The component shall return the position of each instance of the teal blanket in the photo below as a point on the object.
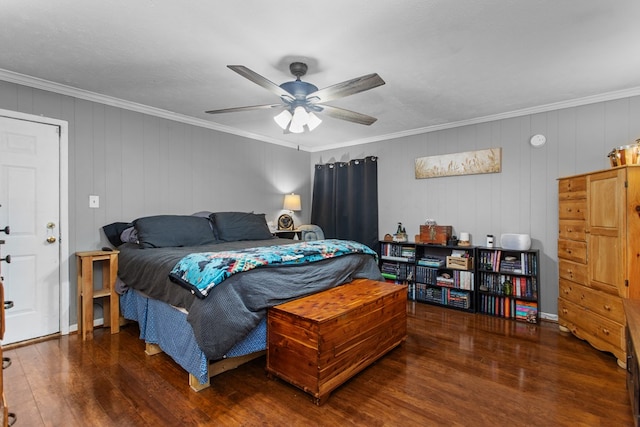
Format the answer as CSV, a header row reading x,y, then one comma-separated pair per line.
x,y
201,272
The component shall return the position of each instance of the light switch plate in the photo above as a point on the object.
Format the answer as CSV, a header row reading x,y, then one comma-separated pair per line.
x,y
94,201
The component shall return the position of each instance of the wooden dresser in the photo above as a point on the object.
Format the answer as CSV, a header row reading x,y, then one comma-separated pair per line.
x,y
598,255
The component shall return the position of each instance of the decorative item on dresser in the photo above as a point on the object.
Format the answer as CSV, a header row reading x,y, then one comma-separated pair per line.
x,y
599,221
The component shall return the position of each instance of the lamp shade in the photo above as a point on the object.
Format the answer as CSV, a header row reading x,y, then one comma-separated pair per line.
x,y
292,202
313,121
283,119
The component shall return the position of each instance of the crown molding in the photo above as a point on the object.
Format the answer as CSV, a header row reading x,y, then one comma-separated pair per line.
x,y
604,97
38,83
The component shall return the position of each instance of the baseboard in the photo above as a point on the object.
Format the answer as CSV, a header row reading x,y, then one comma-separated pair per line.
x,y
548,316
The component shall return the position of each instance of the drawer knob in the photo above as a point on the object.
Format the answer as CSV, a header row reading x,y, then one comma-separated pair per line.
x,y
605,331
607,307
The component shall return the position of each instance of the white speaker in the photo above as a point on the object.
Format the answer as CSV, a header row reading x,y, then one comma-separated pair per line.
x,y
515,242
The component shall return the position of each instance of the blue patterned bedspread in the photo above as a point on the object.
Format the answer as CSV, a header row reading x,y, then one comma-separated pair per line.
x,y
201,272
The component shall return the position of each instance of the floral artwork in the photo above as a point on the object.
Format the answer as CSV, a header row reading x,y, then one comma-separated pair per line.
x,y
467,163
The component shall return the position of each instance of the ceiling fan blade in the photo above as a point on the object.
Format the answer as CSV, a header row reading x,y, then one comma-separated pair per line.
x,y
248,108
350,87
262,81
350,116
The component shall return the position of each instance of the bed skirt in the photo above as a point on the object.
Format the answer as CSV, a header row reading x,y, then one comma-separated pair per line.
x,y
167,327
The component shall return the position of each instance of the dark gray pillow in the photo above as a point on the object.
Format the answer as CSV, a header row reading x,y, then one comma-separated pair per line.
x,y
234,226
162,231
113,231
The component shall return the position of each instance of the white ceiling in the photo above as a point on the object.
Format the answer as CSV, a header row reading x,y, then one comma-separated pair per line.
x,y
444,61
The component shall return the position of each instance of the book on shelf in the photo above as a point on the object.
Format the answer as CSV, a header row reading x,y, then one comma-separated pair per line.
x,y
397,252
431,261
527,311
444,281
395,258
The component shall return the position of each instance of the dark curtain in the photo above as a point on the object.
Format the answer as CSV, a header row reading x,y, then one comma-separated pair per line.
x,y
345,200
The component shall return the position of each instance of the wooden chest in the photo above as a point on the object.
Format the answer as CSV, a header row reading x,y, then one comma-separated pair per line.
x,y
320,341
435,234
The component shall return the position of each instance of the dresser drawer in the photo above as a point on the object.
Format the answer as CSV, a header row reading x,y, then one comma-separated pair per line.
x,y
572,188
602,333
572,229
572,209
574,271
607,305
572,250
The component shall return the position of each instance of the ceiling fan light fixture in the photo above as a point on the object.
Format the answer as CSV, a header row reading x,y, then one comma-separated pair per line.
x,y
313,122
296,128
283,119
299,99
300,116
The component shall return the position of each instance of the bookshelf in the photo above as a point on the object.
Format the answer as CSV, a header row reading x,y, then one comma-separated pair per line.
x,y
397,261
508,283
493,281
435,274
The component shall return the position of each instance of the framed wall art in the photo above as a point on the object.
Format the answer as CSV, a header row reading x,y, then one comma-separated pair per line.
x,y
466,163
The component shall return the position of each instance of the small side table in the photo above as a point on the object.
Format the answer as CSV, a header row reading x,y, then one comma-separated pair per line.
x,y
86,292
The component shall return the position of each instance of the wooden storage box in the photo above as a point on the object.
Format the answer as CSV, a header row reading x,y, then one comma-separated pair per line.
x,y
320,341
459,263
435,234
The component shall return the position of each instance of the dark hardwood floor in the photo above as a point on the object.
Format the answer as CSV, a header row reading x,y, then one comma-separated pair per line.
x,y
455,369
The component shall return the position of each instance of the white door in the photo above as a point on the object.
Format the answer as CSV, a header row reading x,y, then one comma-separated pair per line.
x,y
29,205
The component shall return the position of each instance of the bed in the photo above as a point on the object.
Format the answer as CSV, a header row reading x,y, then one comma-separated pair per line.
x,y
207,331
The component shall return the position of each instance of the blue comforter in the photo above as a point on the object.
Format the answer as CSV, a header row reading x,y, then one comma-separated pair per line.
x,y
201,272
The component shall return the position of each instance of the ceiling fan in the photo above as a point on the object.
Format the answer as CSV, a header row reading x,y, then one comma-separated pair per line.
x,y
301,100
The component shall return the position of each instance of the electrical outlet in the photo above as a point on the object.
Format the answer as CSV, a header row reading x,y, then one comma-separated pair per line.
x,y
94,201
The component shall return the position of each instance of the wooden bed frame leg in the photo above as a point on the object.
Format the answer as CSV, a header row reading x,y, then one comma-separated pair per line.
x,y
196,385
223,365
151,349
215,368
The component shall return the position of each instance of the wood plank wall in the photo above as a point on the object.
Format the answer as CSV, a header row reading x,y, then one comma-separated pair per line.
x,y
180,168
520,199
142,165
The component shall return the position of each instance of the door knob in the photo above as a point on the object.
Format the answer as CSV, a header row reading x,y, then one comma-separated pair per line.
x,y
51,239
7,259
8,305
5,230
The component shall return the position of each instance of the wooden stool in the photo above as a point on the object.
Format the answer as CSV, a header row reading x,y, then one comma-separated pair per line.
x,y
86,293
